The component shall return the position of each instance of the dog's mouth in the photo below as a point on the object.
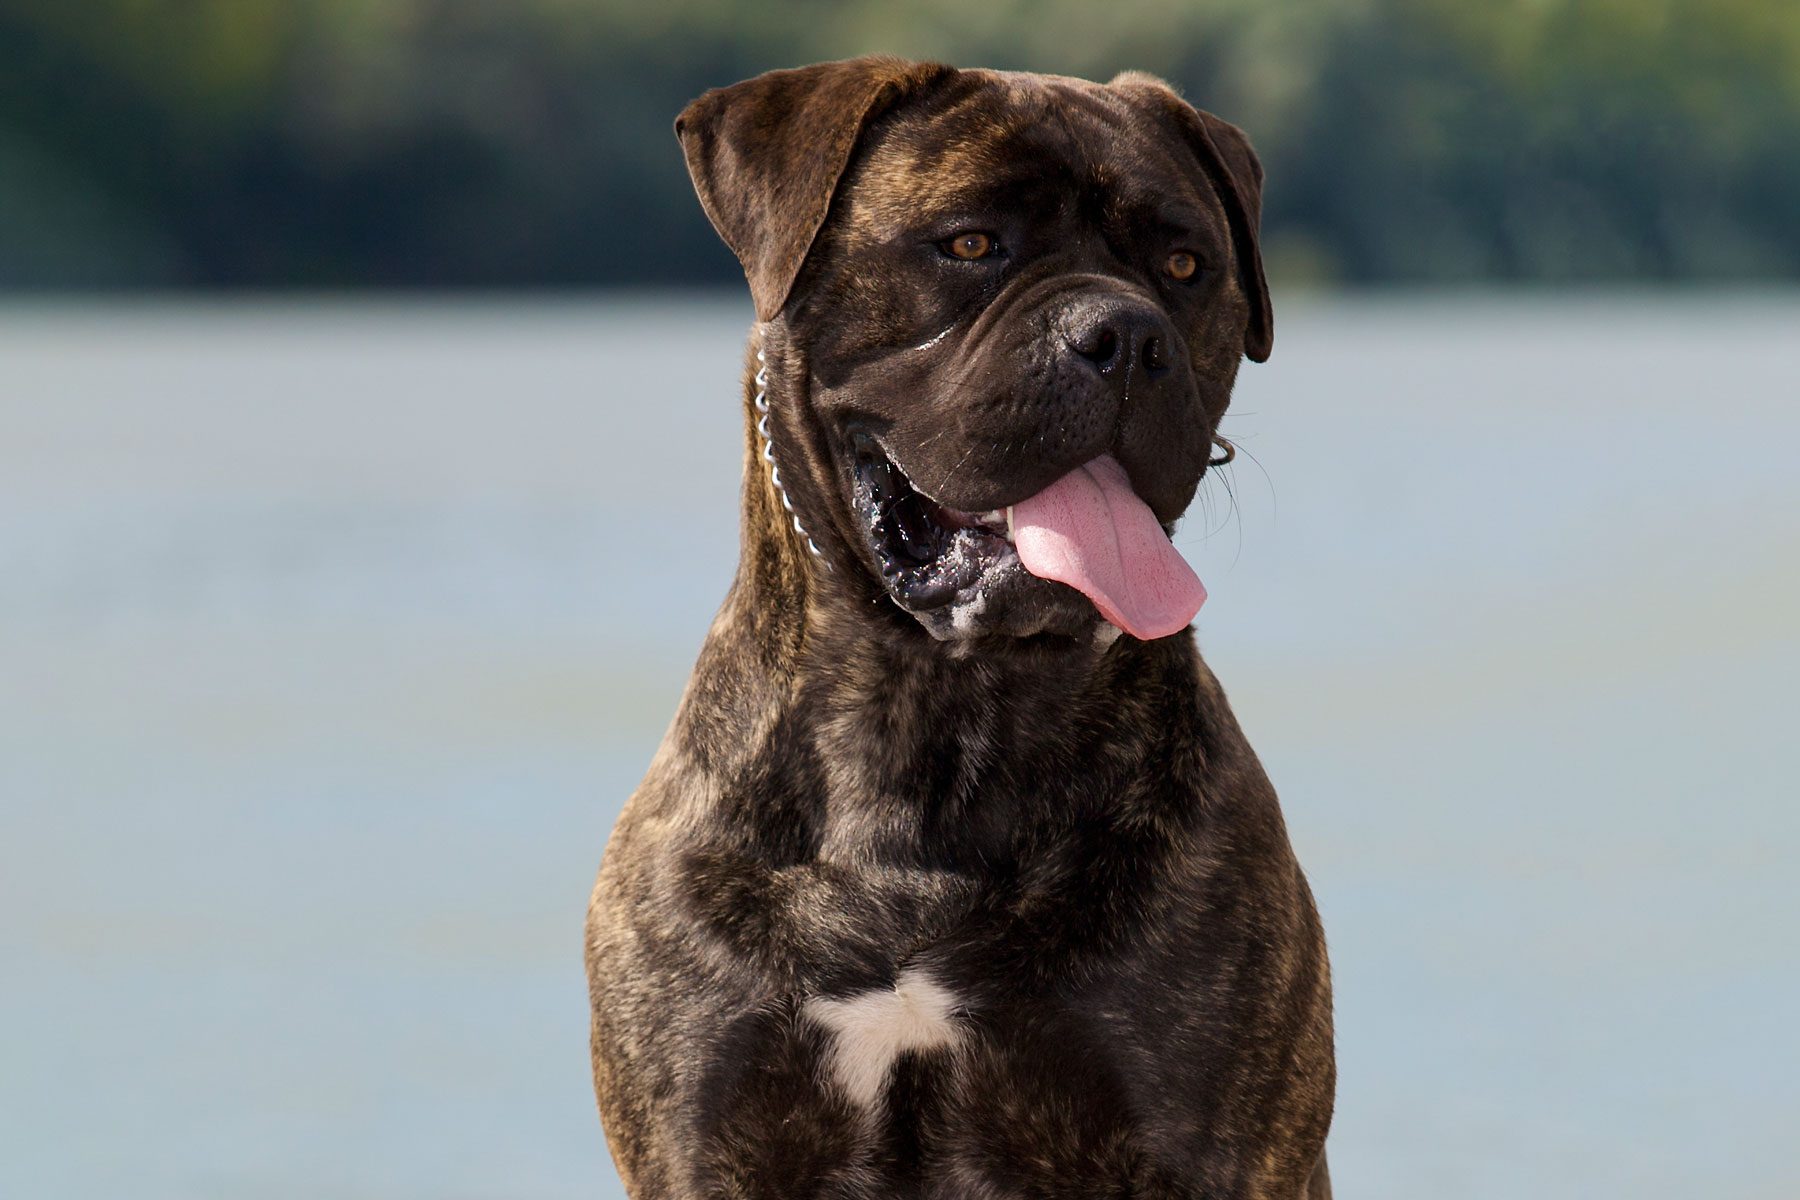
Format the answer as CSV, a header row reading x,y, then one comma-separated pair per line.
x,y
929,554
1088,530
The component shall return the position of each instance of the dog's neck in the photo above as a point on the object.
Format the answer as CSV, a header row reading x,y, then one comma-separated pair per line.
x,y
891,733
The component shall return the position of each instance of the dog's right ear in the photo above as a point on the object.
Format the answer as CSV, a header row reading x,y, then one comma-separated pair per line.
x,y
766,155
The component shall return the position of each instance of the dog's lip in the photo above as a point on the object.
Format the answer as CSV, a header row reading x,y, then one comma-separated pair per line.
x,y
997,519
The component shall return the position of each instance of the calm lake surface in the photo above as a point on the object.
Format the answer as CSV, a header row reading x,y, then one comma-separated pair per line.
x,y
332,637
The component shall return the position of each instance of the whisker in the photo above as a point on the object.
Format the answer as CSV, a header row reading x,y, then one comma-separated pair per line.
x,y
951,473
1237,516
1268,480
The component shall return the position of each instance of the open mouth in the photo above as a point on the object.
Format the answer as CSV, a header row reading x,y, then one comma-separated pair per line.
x,y
1088,530
928,552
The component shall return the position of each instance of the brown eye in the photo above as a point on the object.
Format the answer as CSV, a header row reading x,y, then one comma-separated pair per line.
x,y
970,245
1181,265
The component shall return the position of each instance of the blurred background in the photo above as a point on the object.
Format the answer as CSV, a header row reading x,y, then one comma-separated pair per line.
x,y
356,539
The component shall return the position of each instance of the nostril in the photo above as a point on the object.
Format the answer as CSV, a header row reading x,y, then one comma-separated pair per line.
x,y
1099,346
1107,348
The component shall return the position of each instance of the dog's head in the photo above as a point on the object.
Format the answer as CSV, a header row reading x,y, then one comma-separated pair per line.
x,y
1001,315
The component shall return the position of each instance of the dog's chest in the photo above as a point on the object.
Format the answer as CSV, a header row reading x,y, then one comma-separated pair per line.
x,y
934,995
939,1085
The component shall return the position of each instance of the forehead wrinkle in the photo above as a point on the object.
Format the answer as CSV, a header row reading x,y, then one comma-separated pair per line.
x,y
1156,180
927,164
914,183
931,168
1132,160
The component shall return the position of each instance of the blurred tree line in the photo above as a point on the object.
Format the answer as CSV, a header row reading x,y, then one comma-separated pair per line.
x,y
528,142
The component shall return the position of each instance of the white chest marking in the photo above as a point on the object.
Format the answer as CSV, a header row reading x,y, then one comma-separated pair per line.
x,y
874,1028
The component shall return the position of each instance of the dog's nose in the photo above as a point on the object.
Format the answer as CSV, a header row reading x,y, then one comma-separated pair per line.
x,y
1114,337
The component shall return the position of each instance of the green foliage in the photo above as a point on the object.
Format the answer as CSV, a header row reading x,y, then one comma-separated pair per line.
x,y
520,142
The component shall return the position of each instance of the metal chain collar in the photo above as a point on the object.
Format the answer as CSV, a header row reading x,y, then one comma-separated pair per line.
x,y
768,452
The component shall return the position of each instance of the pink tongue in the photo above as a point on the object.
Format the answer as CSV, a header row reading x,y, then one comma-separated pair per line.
x,y
1090,531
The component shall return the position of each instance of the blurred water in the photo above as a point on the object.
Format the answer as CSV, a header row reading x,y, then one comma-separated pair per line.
x,y
333,635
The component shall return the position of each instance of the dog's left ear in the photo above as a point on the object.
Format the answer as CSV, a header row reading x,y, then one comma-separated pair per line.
x,y
766,155
1237,175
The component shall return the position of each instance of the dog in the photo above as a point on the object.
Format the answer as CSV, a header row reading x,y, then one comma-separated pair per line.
x,y
954,876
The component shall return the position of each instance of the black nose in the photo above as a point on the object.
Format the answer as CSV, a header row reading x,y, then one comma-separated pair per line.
x,y
1117,336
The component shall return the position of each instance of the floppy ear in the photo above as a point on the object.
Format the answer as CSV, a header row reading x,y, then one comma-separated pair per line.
x,y
1237,176
766,155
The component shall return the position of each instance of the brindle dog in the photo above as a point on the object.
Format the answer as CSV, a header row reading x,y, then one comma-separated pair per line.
x,y
937,886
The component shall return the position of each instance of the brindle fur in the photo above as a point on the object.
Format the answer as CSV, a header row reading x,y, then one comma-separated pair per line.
x,y
1075,841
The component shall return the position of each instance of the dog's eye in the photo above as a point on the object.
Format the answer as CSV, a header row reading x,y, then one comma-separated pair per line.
x,y
969,246
1181,265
